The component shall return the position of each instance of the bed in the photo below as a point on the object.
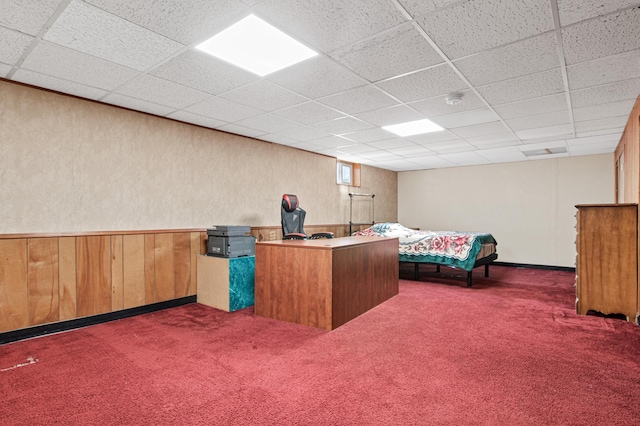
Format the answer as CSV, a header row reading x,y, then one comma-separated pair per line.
x,y
462,250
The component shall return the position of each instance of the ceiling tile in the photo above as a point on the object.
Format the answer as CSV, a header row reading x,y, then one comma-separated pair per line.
x,y
309,113
494,140
390,144
449,147
429,138
514,60
223,109
303,78
604,36
421,7
264,95
428,83
502,155
184,21
162,92
541,120
304,133
521,88
623,66
437,105
237,129
137,104
57,84
67,64
200,120
411,151
590,140
466,118
610,131
611,109
370,135
473,26
398,51
4,70
391,115
543,132
396,165
465,158
12,45
432,162
361,99
558,143
330,24
268,123
90,30
358,148
343,125
331,142
195,69
602,124
28,17
480,130
572,11
557,102
618,91
279,139
381,155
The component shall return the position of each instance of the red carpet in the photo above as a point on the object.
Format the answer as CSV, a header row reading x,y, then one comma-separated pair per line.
x,y
509,350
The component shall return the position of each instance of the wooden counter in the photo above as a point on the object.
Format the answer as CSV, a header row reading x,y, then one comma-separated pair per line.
x,y
324,283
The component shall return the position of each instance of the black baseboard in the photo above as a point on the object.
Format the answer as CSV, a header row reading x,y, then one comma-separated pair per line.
x,y
528,265
41,330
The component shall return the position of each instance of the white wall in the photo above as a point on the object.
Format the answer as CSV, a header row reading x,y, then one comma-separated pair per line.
x,y
528,206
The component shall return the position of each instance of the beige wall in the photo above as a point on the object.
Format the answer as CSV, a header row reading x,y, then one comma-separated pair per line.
x,y
70,165
528,206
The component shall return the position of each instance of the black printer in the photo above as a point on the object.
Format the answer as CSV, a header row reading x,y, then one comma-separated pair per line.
x,y
230,241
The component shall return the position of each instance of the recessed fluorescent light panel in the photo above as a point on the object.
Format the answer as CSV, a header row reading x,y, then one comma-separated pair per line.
x,y
256,46
413,128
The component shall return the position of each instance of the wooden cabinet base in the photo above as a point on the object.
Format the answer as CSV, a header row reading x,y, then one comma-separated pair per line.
x,y
324,283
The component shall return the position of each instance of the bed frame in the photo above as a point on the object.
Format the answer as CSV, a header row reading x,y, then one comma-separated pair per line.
x,y
486,261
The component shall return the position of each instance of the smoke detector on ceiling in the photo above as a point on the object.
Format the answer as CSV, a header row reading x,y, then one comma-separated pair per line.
x,y
453,98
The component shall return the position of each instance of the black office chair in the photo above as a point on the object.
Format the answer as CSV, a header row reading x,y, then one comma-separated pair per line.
x,y
293,221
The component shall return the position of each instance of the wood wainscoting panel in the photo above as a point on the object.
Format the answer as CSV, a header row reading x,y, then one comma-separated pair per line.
x,y
196,249
42,279
181,264
14,310
117,278
93,263
133,270
164,266
67,278
363,277
149,269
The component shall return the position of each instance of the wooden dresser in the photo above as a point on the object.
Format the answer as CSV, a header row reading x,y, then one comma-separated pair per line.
x,y
607,261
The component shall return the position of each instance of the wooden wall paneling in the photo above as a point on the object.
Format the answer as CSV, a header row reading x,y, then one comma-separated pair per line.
x,y
164,266
196,247
149,269
93,263
117,274
181,264
133,271
67,280
42,280
14,312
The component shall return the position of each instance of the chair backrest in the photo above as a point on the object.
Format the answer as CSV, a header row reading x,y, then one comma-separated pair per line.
x,y
292,215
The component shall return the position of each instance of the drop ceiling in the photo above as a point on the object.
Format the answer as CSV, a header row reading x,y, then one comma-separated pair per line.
x,y
538,78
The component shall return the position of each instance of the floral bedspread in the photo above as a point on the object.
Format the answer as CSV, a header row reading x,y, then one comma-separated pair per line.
x,y
457,249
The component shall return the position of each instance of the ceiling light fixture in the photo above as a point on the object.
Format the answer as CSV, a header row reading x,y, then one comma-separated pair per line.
x,y
413,128
453,98
256,46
